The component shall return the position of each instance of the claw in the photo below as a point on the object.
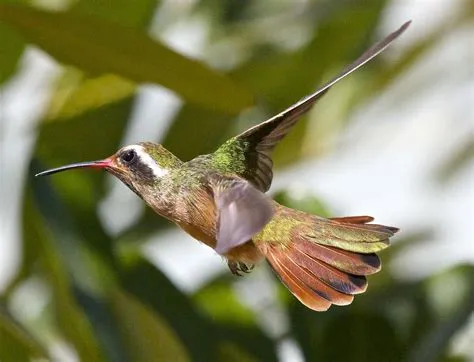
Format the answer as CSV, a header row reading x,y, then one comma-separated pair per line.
x,y
238,267
245,268
234,268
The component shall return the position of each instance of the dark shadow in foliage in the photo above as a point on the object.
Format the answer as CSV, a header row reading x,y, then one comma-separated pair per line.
x,y
99,313
150,286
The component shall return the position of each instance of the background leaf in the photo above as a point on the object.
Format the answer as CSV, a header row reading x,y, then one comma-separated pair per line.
x,y
17,343
146,335
102,47
10,52
90,276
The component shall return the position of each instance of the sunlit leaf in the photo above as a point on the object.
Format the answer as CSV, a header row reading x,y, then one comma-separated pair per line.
x,y
11,49
137,13
17,343
75,93
102,47
71,99
218,299
10,52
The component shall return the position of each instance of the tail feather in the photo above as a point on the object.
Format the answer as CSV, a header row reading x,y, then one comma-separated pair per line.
x,y
342,282
363,220
353,219
326,261
351,236
311,298
317,286
346,261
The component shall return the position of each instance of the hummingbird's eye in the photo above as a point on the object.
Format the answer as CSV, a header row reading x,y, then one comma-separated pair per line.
x,y
128,156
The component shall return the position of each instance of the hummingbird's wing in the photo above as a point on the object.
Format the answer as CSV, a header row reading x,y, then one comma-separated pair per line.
x,y
257,143
242,211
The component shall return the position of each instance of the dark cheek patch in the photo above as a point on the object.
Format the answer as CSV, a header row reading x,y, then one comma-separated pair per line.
x,y
142,172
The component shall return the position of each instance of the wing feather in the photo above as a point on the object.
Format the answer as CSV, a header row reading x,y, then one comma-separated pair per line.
x,y
258,142
242,211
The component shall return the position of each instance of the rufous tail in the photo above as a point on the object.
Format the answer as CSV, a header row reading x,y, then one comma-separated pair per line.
x,y
326,261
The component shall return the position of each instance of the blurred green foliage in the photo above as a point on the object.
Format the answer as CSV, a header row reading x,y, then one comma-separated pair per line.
x,y
108,304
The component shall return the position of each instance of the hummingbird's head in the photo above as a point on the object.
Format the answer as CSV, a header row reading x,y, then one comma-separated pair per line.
x,y
138,166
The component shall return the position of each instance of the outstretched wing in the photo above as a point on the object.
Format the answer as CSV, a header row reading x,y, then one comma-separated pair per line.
x,y
248,154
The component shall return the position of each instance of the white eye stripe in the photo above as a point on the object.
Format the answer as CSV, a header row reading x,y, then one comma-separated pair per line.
x,y
147,160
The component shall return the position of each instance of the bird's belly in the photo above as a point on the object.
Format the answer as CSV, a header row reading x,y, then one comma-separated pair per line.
x,y
198,233
247,253
198,219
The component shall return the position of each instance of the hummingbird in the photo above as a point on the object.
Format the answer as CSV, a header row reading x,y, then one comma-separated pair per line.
x,y
220,199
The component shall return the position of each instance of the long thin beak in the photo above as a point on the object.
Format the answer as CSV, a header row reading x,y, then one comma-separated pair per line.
x,y
90,164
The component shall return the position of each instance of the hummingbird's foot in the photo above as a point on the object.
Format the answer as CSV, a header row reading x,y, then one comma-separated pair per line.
x,y
238,267
246,268
234,267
